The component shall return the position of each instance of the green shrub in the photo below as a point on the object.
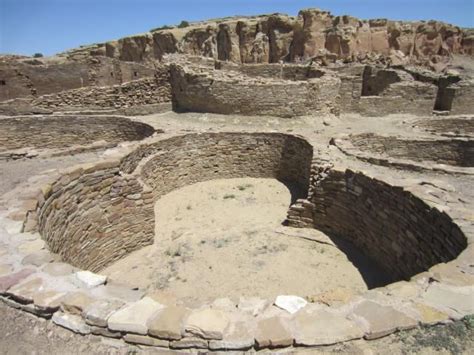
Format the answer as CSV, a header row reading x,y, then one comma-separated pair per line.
x,y
38,55
183,24
165,27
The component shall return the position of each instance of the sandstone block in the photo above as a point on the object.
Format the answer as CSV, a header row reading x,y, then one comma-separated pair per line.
x,y
24,292
76,302
207,323
323,328
58,269
145,340
448,298
9,280
238,336
273,333
382,320
71,322
99,312
168,323
191,342
133,317
90,279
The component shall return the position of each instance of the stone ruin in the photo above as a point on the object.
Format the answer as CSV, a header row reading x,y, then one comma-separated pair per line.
x,y
401,193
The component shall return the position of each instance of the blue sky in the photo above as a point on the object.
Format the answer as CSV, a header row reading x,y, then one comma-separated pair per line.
x,y
51,26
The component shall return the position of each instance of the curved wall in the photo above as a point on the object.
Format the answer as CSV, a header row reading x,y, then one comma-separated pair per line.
x,y
65,131
396,229
455,152
97,215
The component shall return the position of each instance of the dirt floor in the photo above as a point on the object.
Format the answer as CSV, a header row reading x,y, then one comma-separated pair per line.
x,y
225,238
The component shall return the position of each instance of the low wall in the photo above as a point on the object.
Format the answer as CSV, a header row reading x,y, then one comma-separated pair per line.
x,y
455,127
455,152
139,92
234,93
397,230
94,216
50,132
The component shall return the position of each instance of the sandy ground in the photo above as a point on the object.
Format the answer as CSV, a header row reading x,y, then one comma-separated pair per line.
x,y
224,238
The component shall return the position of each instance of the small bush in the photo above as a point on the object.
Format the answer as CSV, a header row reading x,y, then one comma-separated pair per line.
x,y
229,196
165,27
38,55
183,24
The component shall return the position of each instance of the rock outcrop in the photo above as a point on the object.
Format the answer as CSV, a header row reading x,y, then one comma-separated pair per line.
x,y
277,37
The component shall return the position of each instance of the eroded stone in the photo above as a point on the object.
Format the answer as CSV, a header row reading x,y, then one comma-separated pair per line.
x,y
382,320
99,312
71,322
207,323
133,317
273,333
168,323
323,328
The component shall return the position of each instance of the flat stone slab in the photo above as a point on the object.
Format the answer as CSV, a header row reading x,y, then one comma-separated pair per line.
x,y
382,320
5,269
272,333
76,302
323,328
58,269
168,323
105,332
71,322
89,279
48,301
252,305
133,318
238,336
9,280
32,246
459,299
430,315
24,292
207,323
99,312
39,258
145,340
291,304
188,343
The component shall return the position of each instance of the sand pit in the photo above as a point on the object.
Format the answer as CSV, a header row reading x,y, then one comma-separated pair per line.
x,y
223,238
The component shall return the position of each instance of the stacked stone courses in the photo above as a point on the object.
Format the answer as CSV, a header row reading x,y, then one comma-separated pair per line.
x,y
96,213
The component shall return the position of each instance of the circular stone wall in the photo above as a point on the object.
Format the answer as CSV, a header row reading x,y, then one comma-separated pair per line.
x,y
53,132
408,153
399,231
451,127
94,216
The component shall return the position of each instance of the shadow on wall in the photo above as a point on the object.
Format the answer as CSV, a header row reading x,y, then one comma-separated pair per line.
x,y
396,229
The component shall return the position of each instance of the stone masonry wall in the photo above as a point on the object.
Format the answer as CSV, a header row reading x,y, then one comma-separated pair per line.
x,y
64,131
457,127
442,151
139,92
232,93
92,216
400,232
97,214
194,158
